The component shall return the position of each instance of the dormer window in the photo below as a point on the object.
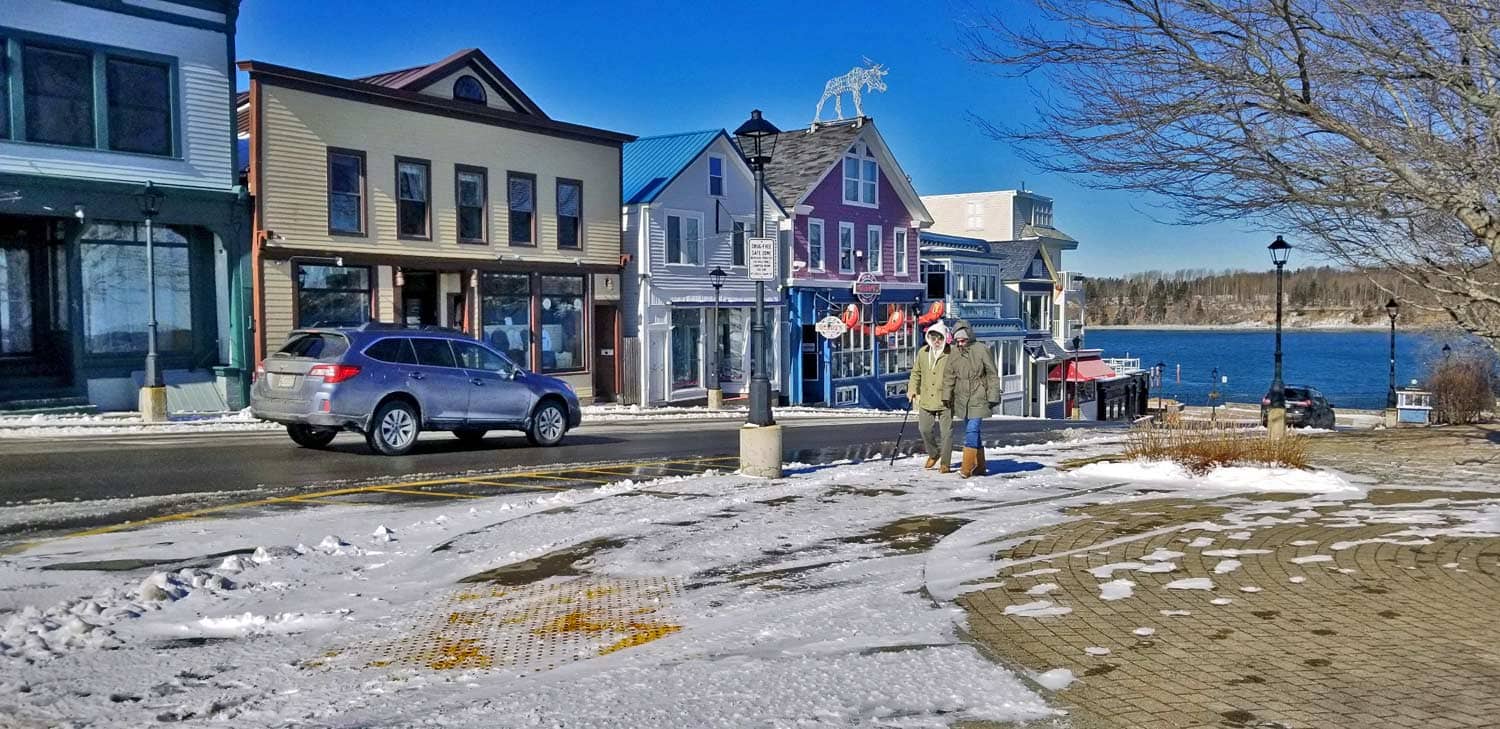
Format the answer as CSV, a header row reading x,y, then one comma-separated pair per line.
x,y
468,88
861,175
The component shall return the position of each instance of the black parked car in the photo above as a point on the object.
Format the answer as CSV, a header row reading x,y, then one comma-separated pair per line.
x,y
1305,407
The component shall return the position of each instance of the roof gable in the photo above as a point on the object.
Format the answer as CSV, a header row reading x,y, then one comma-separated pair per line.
x,y
650,164
437,79
805,157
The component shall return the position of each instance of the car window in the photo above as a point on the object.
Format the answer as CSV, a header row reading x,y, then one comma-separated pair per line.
x,y
1297,393
314,345
395,350
475,357
433,352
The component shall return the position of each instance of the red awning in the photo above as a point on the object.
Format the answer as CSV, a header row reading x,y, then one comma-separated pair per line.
x,y
1081,370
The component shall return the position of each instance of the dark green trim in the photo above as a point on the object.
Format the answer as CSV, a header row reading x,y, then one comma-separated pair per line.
x,y
118,6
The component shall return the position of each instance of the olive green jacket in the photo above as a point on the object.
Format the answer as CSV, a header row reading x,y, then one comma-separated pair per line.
x,y
970,383
924,387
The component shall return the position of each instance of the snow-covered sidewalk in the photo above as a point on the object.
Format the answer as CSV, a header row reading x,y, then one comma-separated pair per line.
x,y
826,598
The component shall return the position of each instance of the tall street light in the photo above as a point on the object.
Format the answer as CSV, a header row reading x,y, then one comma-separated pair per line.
x,y
1076,412
1161,384
1213,396
761,136
1276,417
715,388
1392,309
153,397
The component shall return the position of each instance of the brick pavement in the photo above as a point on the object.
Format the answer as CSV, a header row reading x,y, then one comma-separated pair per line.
x,y
1380,634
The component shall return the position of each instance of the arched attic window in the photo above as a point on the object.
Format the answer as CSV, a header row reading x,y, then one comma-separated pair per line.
x,y
468,88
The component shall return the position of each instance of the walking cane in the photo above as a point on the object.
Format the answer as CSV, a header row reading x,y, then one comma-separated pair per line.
x,y
899,435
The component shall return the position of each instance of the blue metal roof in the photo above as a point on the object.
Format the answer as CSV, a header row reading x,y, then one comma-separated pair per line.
x,y
649,164
978,245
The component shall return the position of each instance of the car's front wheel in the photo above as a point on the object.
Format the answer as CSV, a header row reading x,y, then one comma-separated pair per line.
x,y
548,425
394,429
308,436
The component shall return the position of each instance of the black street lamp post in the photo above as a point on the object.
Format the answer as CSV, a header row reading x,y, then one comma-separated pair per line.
x,y
761,136
150,199
1076,412
1213,396
1161,384
715,388
1392,309
1276,420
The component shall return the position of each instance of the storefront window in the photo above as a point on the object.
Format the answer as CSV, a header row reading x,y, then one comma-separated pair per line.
x,y
115,295
507,314
687,332
734,342
898,349
333,296
562,332
853,352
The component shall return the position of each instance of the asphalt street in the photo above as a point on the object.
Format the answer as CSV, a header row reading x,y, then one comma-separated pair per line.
x,y
211,468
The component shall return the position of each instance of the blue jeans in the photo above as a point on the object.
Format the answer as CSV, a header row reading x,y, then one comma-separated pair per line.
x,y
971,432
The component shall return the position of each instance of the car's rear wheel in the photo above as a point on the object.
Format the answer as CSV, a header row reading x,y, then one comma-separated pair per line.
x,y
548,425
395,428
470,436
308,436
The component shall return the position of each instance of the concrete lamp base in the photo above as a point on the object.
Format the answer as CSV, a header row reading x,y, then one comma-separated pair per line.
x,y
152,402
1276,423
715,399
760,451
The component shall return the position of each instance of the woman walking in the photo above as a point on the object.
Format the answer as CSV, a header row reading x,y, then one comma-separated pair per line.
x,y
924,389
971,390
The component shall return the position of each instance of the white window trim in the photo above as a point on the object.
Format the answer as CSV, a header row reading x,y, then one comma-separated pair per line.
x,y
875,254
860,168
671,389
682,214
723,176
899,237
822,245
852,247
749,224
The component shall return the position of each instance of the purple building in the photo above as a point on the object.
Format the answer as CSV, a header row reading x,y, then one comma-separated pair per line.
x,y
854,224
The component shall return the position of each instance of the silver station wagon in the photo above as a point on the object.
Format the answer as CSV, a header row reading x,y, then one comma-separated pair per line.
x,y
391,383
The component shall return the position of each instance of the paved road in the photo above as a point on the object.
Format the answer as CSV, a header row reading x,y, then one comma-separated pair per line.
x,y
215,468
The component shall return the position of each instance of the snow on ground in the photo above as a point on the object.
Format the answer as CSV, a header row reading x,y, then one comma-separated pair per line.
x,y
682,602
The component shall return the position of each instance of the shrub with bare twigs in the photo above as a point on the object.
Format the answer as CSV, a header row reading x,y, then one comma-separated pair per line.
x,y
1202,448
1463,390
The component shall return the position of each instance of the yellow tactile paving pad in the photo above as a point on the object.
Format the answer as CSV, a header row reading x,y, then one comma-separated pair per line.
x,y
535,627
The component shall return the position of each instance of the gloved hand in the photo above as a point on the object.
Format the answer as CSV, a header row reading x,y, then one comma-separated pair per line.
x,y
947,404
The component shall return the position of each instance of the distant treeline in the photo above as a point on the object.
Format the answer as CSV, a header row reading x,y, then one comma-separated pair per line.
x,y
1314,296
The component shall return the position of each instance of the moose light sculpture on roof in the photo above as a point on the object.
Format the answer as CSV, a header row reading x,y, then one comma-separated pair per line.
x,y
871,78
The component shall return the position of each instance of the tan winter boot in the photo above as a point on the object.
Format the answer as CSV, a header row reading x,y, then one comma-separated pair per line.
x,y
971,459
930,463
980,468
945,464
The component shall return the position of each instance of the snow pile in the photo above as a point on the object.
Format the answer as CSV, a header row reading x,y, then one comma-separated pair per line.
x,y
1056,679
1224,478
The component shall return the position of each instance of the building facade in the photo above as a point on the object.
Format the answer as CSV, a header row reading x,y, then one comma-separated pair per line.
x,y
689,209
968,277
854,221
97,99
439,195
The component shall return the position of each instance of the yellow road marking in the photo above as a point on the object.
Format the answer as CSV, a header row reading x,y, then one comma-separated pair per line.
x,y
485,482
566,478
417,492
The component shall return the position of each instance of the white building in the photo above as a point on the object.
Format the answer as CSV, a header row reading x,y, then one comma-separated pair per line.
x,y
689,209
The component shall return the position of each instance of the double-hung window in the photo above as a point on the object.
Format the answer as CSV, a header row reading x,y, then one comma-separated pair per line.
x,y
346,191
684,240
899,254
846,248
815,245
861,176
737,244
569,213
521,200
140,106
874,248
413,198
58,89
715,175
471,186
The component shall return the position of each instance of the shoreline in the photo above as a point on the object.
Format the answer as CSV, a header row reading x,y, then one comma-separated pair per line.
x,y
1256,328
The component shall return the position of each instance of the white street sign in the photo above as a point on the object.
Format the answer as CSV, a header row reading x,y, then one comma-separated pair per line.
x,y
831,327
761,257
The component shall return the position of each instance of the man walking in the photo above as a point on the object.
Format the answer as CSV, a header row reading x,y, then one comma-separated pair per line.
x,y
924,389
971,390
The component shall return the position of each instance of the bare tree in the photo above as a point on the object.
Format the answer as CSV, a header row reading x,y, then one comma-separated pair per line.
x,y
1368,128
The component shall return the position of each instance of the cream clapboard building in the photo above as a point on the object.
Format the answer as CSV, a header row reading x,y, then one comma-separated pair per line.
x,y
436,195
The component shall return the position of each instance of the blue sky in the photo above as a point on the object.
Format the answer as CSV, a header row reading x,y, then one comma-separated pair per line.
x,y
654,68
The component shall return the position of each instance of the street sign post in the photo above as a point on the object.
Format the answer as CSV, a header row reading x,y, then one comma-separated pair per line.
x,y
831,327
761,257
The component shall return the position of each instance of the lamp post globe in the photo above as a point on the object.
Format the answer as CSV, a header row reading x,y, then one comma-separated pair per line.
x,y
1447,352
1276,417
1392,309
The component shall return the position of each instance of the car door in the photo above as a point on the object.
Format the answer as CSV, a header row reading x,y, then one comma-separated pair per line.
x,y
496,397
441,386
